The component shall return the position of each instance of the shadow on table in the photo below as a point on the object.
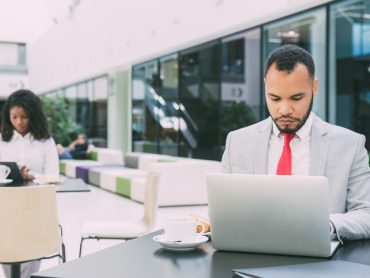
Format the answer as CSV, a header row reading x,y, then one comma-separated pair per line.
x,y
177,257
224,262
181,264
354,251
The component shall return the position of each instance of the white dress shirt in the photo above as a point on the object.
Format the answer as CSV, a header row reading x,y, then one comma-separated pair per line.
x,y
300,148
40,156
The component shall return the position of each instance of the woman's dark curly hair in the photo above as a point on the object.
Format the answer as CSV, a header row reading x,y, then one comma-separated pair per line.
x,y
31,104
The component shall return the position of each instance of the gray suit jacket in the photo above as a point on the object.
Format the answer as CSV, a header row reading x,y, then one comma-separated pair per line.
x,y
335,152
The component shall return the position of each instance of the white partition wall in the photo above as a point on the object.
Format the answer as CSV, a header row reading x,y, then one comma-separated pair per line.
x,y
119,107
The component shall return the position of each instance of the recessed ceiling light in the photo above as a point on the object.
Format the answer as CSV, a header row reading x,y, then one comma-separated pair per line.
x,y
289,34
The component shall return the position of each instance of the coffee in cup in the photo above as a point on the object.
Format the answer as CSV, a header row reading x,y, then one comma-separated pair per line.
x,y
4,172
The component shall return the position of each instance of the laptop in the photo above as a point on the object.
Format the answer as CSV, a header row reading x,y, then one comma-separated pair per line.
x,y
15,173
270,214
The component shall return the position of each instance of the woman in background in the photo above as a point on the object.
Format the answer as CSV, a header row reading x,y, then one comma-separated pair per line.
x,y
25,139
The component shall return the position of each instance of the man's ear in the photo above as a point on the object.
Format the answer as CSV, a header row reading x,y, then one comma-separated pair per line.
x,y
315,87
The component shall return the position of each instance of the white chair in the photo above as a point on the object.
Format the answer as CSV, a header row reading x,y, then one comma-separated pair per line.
x,y
29,226
126,230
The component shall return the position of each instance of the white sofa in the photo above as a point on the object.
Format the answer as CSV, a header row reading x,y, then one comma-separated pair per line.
x,y
182,180
181,183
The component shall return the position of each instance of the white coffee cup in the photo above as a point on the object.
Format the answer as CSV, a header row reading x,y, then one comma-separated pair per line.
x,y
184,230
4,172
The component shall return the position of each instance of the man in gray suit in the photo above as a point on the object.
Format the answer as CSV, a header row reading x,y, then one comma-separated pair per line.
x,y
293,140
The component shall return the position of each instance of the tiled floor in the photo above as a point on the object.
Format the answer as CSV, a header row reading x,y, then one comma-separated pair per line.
x,y
75,208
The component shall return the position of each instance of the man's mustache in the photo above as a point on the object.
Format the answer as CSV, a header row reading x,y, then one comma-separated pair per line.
x,y
284,118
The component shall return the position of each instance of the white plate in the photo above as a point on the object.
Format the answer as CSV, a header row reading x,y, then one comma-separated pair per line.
x,y
180,245
40,181
46,179
6,181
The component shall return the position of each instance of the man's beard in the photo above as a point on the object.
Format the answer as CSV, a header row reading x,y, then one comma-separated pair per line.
x,y
301,122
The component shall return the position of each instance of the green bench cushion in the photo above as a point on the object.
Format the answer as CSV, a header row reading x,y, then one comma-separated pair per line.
x,y
123,186
62,166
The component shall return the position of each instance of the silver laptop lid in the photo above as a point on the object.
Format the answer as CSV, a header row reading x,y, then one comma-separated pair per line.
x,y
269,214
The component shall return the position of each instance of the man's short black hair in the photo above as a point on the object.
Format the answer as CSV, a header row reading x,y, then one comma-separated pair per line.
x,y
288,56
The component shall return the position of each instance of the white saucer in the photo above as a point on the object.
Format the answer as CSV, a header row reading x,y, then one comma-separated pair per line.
x,y
40,181
181,245
6,181
46,179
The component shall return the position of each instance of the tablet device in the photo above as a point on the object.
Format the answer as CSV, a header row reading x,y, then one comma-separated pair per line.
x,y
15,173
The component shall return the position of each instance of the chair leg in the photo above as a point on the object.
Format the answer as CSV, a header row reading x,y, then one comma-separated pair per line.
x,y
64,253
15,271
61,230
82,239
64,256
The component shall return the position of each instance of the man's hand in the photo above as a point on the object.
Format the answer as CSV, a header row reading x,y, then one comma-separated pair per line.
x,y
26,173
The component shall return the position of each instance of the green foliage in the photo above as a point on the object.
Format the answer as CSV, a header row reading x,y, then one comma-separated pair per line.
x,y
218,121
63,129
235,115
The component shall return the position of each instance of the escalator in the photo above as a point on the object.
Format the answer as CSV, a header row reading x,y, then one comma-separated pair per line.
x,y
171,116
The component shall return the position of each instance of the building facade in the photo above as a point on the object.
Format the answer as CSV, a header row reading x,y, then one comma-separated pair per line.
x,y
177,85
186,102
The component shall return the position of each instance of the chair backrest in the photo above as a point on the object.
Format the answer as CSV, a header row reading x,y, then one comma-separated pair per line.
x,y
151,199
29,226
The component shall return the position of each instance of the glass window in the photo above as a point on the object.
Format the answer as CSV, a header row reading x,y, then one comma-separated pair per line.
x,y
307,30
350,64
167,104
101,88
199,101
21,54
13,57
83,105
9,54
240,81
70,93
155,115
145,112
88,104
100,112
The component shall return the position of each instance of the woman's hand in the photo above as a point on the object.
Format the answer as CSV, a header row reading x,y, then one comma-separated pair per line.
x,y
26,173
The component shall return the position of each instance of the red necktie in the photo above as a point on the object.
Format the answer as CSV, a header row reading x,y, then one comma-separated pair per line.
x,y
285,163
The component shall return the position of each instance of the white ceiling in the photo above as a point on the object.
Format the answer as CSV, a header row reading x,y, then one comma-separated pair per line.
x,y
27,20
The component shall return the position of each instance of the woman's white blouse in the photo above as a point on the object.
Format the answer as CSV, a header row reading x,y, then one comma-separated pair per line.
x,y
41,157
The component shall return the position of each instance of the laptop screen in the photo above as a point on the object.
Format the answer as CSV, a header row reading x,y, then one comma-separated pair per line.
x,y
269,214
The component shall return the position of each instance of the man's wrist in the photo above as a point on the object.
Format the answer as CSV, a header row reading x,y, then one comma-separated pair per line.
x,y
333,234
332,228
